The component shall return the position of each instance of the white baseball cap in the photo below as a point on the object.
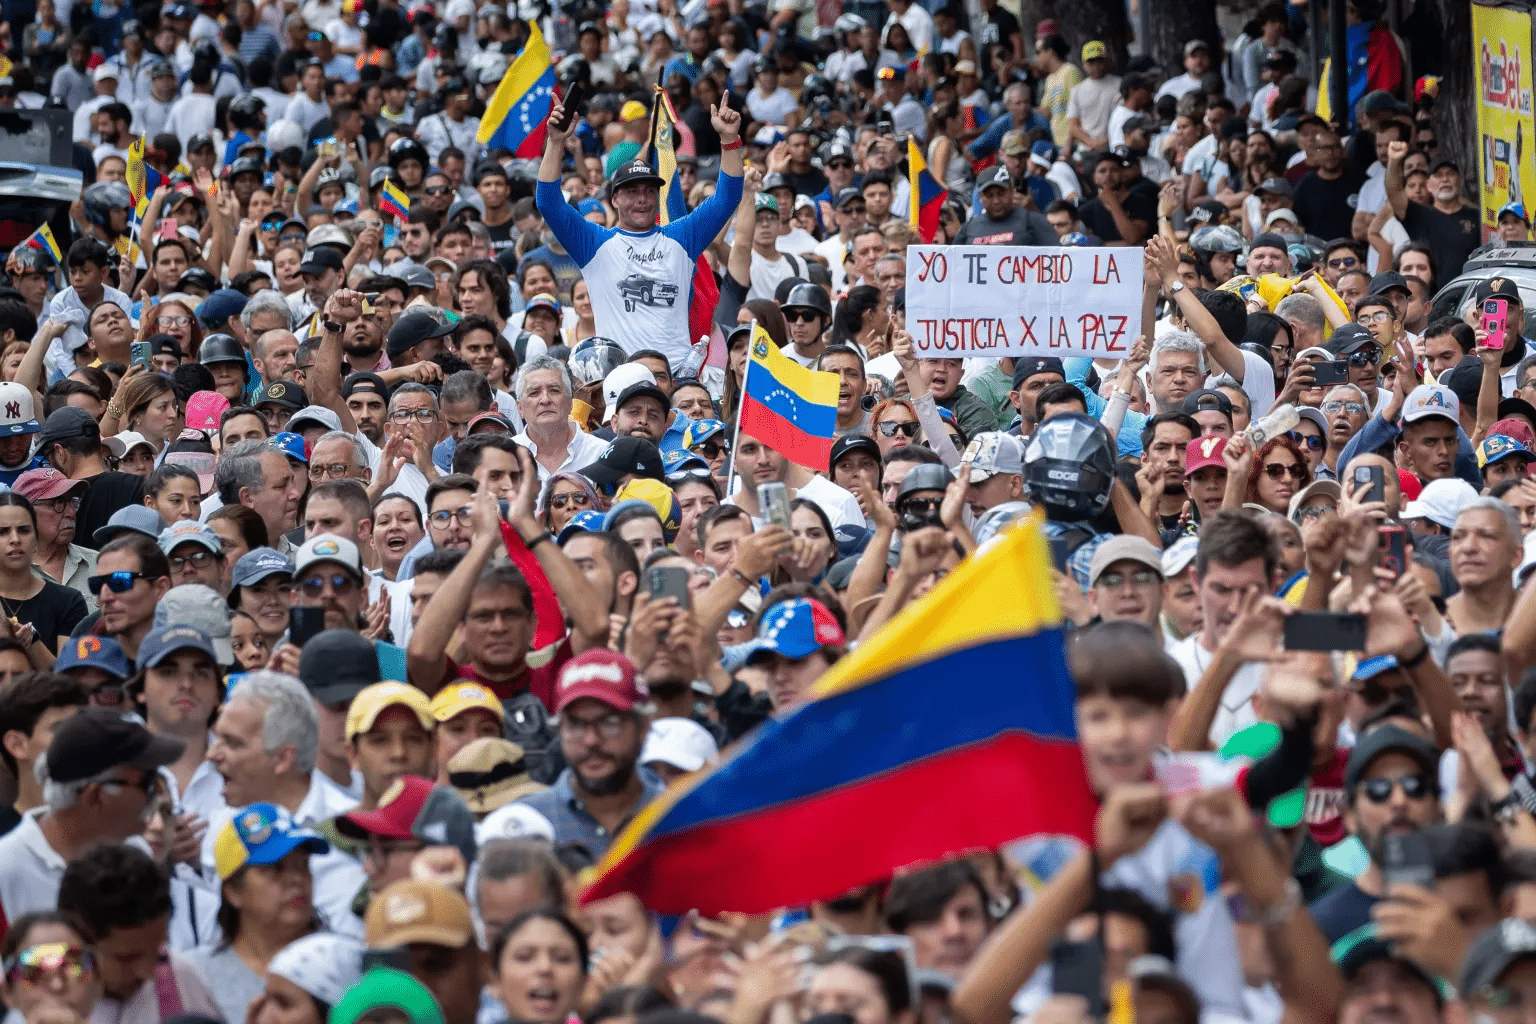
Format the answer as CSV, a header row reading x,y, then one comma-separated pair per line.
x,y
1428,400
17,415
1178,555
619,380
680,742
1441,501
514,821
323,964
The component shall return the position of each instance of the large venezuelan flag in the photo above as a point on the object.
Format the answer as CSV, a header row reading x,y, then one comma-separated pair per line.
x,y
515,118
948,731
927,194
704,295
790,408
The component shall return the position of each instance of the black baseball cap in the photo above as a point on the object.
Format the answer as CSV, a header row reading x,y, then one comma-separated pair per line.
x,y
1276,187
1026,367
364,380
93,740
64,423
636,172
413,328
1387,739
338,664
1443,161
1497,288
1348,338
642,389
320,259
851,443
1516,406
625,456
846,196
1207,399
284,393
1386,281
1268,240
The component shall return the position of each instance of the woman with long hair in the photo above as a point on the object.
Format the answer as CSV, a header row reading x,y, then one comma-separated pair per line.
x,y
267,902
241,530
1268,477
178,319
948,163
860,314
871,987
49,611
893,423
50,968
565,495
811,525
586,324
145,404
540,964
175,492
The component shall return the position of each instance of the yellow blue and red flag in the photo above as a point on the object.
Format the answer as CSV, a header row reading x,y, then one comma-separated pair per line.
x,y
788,407
392,199
43,239
950,730
515,118
927,193
705,293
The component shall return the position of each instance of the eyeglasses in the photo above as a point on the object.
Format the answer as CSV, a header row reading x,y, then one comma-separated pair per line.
x,y
197,559
711,449
1139,578
406,415
1311,512
438,190
1344,263
1311,442
1379,791
1277,470
439,519
292,236
31,964
341,585
577,498
1370,355
889,428
1336,406
609,727
60,505
332,471
798,316
1381,316
173,321
148,783
117,582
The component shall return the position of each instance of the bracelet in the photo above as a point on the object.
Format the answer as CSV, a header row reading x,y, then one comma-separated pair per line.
x,y
115,410
1416,660
745,580
736,143
536,541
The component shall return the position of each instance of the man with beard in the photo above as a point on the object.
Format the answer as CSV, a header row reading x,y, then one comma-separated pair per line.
x,y
112,123
601,736
322,271
641,410
1450,225
366,395
1165,444
362,346
1004,223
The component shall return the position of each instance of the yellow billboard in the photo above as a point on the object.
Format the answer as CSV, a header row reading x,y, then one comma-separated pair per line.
x,y
1506,128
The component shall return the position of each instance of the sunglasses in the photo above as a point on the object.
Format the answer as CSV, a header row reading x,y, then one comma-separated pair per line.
x,y
173,321
711,449
1371,355
198,560
578,499
438,190
1379,791
1311,512
890,428
292,236
799,316
117,582
341,585
1277,471
1311,442
684,476
272,222
1343,264
30,965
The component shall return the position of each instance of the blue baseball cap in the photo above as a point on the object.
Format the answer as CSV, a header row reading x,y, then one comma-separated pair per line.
x,y
700,431
1497,447
590,205
162,643
345,206
291,445
257,564
130,519
681,460
1518,209
261,834
1044,153
1370,668
101,652
590,521
218,307
796,629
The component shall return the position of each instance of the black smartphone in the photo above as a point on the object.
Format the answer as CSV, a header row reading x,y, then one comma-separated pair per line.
x,y
304,623
1406,859
1077,969
1059,553
1324,631
1392,548
1335,371
1373,478
668,581
571,103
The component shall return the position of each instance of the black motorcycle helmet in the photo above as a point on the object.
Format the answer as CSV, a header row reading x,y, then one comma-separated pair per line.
x,y
1069,467
245,112
930,476
223,348
809,296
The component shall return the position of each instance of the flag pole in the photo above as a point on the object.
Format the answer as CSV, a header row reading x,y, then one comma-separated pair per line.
x,y
741,399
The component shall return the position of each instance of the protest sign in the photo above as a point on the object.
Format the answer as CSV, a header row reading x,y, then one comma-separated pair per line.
x,y
1011,300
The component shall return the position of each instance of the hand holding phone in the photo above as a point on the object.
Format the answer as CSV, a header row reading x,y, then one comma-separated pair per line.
x,y
303,624
1374,481
571,103
773,500
668,581
1495,321
1324,631
1392,549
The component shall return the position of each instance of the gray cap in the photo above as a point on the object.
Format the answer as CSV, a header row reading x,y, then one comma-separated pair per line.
x,y
314,414
338,664
135,518
256,565
189,531
1178,555
193,604
1124,547
413,274
994,452
1494,952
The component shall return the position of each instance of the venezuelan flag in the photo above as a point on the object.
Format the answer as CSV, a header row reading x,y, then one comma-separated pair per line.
x,y
705,293
790,408
948,731
141,179
517,114
43,239
927,193
393,200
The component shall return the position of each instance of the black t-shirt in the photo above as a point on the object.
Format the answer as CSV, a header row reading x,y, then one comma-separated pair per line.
x,y
54,612
1019,228
503,236
997,26
1452,236
1327,208
107,493
809,183
1139,201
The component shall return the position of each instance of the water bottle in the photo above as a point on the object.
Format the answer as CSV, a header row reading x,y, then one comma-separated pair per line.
x,y
1281,418
689,367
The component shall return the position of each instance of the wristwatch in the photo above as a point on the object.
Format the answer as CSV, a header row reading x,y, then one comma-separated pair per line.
x,y
1504,810
1176,287
332,327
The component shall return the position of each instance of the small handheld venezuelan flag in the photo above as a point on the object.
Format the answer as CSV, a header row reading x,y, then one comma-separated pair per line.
x,y
43,239
789,408
927,194
949,730
392,199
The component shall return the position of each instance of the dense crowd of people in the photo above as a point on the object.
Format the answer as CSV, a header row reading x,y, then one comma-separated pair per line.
x,y
368,563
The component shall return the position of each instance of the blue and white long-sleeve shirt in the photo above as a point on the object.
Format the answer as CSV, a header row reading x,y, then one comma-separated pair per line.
x,y
639,282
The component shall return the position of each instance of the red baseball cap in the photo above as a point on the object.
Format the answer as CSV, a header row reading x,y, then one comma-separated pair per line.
x,y
396,814
602,675
44,484
1204,451
1409,485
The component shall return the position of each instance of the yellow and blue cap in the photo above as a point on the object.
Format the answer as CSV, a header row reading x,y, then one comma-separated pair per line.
x,y
1497,447
261,834
699,431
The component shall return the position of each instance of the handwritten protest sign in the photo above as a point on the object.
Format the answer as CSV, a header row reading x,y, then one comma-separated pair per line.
x,y
1008,300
